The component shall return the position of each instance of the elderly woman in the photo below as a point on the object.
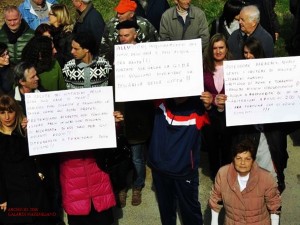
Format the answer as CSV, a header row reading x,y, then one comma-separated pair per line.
x,y
22,197
249,193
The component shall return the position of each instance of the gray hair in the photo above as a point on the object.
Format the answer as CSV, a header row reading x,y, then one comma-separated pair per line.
x,y
253,12
19,71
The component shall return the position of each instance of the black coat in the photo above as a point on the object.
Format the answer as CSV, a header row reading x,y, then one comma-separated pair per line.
x,y
20,185
6,80
153,12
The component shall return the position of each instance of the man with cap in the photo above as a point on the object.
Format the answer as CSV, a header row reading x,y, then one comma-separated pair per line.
x,y
88,19
137,129
125,11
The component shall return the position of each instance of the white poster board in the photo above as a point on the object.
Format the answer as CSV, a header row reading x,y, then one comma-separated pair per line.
x,y
262,90
61,121
156,70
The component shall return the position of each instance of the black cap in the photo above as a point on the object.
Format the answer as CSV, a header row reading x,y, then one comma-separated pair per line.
x,y
127,24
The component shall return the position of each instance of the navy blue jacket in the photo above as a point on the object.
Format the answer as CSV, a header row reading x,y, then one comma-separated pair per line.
x,y
176,138
236,42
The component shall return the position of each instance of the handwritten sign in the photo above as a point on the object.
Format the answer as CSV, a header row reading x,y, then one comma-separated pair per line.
x,y
70,120
157,70
262,90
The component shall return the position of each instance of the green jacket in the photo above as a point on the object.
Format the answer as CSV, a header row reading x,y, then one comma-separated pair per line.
x,y
15,49
173,28
53,80
146,33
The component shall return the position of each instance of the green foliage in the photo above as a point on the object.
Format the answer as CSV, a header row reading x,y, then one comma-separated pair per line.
x,y
212,9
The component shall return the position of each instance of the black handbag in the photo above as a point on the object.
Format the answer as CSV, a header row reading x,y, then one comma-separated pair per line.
x,y
110,159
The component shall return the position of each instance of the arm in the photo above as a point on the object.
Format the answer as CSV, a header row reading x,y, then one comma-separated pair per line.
x,y
216,194
272,195
203,31
61,80
108,41
164,29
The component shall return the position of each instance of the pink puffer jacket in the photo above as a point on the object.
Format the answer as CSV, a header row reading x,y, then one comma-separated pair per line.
x,y
82,182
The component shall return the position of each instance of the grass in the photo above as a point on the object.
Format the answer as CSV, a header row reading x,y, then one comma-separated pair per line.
x,y
212,9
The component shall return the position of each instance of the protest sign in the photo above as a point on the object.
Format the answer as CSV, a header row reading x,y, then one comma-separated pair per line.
x,y
79,119
262,90
156,70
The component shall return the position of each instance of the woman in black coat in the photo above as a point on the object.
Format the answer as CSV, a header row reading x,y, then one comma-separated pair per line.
x,y
6,77
22,198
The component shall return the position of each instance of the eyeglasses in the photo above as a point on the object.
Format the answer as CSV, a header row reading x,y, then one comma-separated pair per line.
x,y
4,54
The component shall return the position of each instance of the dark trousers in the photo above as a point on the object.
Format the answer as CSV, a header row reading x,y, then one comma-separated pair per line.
x,y
94,218
183,193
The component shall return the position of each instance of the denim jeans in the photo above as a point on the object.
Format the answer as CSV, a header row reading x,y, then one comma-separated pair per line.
x,y
138,160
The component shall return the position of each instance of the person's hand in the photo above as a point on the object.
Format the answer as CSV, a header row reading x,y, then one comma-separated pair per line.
x,y
24,123
3,206
118,116
207,99
220,100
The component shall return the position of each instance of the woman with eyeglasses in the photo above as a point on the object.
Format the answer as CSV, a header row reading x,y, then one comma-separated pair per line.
x,y
6,77
62,26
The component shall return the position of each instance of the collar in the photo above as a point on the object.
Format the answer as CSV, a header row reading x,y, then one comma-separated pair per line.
x,y
18,93
82,14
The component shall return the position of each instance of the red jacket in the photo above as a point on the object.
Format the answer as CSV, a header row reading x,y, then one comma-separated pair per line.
x,y
82,182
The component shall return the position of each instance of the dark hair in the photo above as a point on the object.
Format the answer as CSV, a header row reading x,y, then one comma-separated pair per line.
x,y
254,47
231,9
3,47
42,28
19,71
244,145
7,103
208,60
86,40
38,51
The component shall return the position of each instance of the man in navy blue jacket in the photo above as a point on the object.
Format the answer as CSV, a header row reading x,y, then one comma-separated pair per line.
x,y
174,155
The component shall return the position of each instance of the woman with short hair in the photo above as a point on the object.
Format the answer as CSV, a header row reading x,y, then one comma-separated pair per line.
x,y
249,193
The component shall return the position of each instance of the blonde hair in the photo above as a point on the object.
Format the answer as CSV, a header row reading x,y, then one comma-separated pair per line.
x,y
63,16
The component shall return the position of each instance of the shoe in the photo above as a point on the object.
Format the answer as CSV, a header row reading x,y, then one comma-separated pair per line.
x,y
136,196
122,198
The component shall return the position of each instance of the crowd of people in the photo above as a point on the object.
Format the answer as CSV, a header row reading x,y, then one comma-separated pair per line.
x,y
43,49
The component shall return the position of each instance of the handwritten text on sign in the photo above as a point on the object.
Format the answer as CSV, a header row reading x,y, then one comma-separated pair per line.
x,y
262,90
62,121
158,70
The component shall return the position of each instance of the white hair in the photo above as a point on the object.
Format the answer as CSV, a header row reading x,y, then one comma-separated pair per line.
x,y
253,12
